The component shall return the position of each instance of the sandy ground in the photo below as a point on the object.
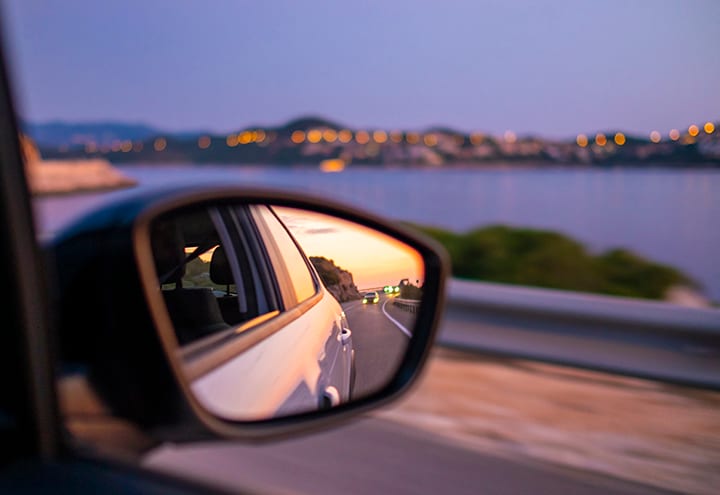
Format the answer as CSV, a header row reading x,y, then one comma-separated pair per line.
x,y
639,430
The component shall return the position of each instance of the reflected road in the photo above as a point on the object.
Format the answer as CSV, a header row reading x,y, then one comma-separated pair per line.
x,y
380,334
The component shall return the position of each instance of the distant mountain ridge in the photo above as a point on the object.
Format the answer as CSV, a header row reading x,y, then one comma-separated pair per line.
x,y
313,139
58,133
61,133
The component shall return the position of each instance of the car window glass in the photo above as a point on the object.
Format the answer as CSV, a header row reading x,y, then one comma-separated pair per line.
x,y
296,267
205,274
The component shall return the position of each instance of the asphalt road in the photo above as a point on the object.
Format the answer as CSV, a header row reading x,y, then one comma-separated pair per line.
x,y
373,456
380,335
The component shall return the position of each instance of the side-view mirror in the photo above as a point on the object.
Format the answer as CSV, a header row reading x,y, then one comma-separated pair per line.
x,y
244,314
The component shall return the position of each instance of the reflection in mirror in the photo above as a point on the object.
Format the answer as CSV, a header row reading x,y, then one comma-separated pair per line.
x,y
278,311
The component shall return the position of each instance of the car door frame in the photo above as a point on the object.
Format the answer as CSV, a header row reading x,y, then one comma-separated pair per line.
x,y
25,343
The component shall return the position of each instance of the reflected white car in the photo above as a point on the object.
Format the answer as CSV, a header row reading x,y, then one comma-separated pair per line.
x,y
260,335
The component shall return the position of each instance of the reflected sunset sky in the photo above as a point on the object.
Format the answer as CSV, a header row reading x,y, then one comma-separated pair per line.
x,y
374,259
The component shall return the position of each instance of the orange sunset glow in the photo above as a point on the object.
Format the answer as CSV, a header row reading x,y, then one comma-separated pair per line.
x,y
374,259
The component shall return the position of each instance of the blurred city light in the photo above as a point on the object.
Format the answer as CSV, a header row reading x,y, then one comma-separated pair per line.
x,y
314,135
380,137
510,137
581,140
674,134
231,140
430,139
330,135
619,138
332,165
396,137
412,137
600,139
655,137
362,137
160,144
204,142
298,137
345,136
709,127
693,130
477,138
245,137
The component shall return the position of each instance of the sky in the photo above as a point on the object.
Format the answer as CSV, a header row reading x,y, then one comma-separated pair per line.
x,y
548,68
374,259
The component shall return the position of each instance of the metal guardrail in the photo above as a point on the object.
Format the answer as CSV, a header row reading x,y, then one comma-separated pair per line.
x,y
654,340
409,305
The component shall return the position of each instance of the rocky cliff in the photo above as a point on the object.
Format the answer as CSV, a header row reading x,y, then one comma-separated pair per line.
x,y
338,281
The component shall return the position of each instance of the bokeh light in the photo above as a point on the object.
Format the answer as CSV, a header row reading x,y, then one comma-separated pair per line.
x,y
298,137
674,134
345,136
204,142
380,137
655,137
619,138
160,144
693,130
330,135
245,137
362,137
510,137
709,127
314,135
412,137
430,140
600,139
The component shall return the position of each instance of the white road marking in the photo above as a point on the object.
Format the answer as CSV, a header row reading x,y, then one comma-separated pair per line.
x,y
397,323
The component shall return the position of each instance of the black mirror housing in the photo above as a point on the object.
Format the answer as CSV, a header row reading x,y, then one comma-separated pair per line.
x,y
113,326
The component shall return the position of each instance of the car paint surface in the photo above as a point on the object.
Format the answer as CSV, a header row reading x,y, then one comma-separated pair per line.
x,y
288,372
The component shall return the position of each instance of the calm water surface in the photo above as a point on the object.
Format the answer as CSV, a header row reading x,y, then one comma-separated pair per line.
x,y
671,216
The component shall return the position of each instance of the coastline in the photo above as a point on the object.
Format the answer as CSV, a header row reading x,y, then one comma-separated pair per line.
x,y
60,177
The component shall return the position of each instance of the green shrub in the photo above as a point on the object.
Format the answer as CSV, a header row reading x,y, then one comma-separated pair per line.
x,y
549,259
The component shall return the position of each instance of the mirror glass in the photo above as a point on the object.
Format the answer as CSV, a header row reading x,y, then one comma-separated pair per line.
x,y
278,311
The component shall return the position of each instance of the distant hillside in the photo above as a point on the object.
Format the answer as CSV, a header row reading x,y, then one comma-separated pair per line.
x,y
64,133
313,139
309,122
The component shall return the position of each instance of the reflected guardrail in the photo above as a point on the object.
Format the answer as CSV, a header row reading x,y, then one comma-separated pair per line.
x,y
646,339
409,305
